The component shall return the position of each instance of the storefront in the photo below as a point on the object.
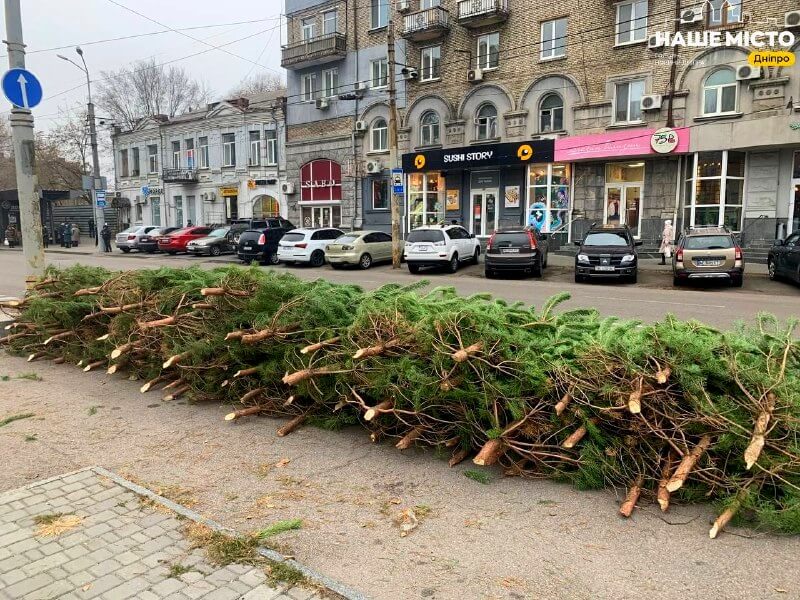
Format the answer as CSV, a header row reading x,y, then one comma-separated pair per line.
x,y
627,177
482,187
321,194
230,197
794,199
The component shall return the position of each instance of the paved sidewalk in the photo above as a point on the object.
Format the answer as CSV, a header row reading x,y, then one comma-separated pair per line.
x,y
112,547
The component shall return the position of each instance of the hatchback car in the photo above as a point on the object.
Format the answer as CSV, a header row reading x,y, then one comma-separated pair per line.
x,y
307,245
784,258
149,241
177,240
128,239
261,244
518,250
708,253
362,248
217,243
440,246
607,251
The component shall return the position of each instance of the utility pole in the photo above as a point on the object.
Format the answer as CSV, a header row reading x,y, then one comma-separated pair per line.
x,y
24,152
397,241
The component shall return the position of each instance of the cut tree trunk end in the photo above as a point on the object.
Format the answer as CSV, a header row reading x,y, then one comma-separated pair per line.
x,y
36,356
59,360
562,404
58,336
382,407
320,345
88,292
174,360
252,394
244,412
103,338
662,495
120,350
291,426
94,365
175,383
235,335
626,508
408,439
490,453
303,374
463,355
577,435
759,439
727,514
662,376
166,322
218,291
147,386
458,456
115,310
245,372
376,350
687,464
202,306
177,393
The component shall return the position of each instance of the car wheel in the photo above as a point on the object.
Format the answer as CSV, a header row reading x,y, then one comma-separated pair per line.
x,y
579,278
172,253
546,256
125,250
737,281
215,251
453,266
489,273
272,259
772,270
536,271
365,262
413,269
317,258
634,278
335,266
476,256
676,281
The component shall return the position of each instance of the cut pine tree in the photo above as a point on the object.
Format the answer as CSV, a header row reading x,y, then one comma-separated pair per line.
x,y
626,508
687,464
490,453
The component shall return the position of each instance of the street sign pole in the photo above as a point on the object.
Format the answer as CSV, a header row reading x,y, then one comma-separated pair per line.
x,y
24,153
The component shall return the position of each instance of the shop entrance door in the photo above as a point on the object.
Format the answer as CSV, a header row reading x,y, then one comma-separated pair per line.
x,y
483,216
321,216
794,208
624,205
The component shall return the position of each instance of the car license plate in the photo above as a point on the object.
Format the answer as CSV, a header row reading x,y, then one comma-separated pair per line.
x,y
709,263
510,250
248,247
604,268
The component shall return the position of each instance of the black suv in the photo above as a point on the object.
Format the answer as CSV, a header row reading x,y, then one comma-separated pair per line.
x,y
607,251
261,244
516,250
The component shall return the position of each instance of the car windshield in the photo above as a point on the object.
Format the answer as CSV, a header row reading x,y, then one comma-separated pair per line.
x,y
346,239
606,239
709,242
512,239
425,235
130,230
177,232
293,237
218,233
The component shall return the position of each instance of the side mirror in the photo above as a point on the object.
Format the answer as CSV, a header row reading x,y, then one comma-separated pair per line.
x,y
577,243
472,236
780,242
638,243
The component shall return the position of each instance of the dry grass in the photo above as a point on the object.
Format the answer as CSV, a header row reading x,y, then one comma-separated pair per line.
x,y
53,525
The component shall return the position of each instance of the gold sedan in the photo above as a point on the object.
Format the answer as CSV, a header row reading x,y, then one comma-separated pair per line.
x,y
362,248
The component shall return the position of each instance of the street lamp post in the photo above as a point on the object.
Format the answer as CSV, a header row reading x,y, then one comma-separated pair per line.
x,y
99,218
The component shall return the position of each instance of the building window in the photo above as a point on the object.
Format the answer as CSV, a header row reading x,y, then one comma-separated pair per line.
x,y
308,87
426,4
271,137
548,197
720,13
203,152
431,59
551,113
715,190
489,51
554,39
719,92
135,158
309,28
255,148
176,155
152,158
628,101
379,13
123,163
425,199
379,73
178,210
330,83
190,159
139,211
155,209
380,194
631,22
330,22
486,122
321,181
380,135
228,149
429,129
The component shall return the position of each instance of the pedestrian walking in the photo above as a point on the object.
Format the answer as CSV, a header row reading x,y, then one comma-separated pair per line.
x,y
11,236
92,228
66,235
105,234
75,233
45,236
667,238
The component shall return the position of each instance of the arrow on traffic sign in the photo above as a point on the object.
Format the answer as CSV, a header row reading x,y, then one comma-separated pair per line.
x,y
23,86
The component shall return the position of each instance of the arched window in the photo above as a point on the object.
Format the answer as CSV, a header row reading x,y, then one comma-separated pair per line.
x,y
486,122
380,135
551,113
719,92
429,129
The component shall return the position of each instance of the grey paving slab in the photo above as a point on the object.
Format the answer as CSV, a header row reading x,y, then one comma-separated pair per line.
x,y
100,555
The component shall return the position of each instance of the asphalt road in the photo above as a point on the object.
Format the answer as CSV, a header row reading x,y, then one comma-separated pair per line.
x,y
650,299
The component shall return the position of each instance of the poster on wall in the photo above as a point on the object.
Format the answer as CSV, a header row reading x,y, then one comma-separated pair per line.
x,y
453,202
512,196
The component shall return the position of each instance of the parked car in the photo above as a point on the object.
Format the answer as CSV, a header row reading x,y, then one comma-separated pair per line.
x,y
784,258
239,226
440,246
149,241
128,239
307,245
708,253
177,240
607,251
522,249
262,244
216,243
362,248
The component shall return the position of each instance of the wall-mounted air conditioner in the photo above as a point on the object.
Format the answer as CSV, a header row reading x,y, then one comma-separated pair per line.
x,y
361,126
373,167
403,6
651,102
475,75
322,104
656,42
287,187
410,74
792,19
747,71
693,14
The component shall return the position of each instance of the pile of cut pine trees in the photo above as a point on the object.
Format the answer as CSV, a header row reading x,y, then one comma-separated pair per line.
x,y
669,411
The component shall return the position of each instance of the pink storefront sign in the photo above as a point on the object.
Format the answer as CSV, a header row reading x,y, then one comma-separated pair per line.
x,y
616,144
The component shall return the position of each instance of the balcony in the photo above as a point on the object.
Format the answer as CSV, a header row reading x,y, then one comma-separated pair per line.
x,y
480,13
180,176
424,25
315,51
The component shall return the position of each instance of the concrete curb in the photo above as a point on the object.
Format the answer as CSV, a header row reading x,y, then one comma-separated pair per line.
x,y
311,574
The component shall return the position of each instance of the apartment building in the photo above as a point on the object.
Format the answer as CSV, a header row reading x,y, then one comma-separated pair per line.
x,y
224,162
560,114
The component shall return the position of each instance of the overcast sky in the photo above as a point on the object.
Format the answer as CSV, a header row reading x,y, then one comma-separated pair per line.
x,y
50,23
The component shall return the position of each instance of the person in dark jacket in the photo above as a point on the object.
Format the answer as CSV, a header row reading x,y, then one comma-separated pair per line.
x,y
66,235
91,228
45,236
11,236
105,235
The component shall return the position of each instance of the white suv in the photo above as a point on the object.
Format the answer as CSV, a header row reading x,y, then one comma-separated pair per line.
x,y
441,246
306,245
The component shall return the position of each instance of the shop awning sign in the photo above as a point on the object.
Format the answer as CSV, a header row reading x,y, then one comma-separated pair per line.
x,y
488,155
621,144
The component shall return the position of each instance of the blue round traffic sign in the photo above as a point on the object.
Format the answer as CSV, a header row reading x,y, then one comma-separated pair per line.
x,y
22,88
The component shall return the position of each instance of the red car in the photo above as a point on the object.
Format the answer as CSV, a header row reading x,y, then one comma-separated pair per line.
x,y
176,241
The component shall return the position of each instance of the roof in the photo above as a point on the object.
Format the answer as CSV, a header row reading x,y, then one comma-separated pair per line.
x,y
715,230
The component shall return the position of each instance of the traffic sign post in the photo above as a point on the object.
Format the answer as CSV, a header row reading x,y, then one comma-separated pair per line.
x,y
397,182
100,198
22,88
